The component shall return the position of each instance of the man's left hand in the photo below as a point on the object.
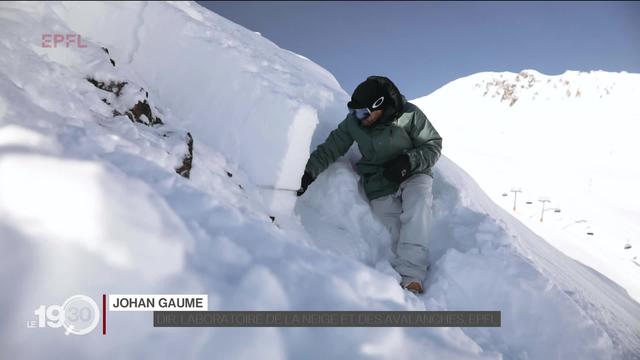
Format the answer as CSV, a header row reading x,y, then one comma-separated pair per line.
x,y
397,170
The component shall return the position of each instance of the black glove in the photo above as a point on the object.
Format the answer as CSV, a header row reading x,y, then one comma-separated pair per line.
x,y
307,179
397,170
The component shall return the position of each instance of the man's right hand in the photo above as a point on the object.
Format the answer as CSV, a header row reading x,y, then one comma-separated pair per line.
x,y
307,179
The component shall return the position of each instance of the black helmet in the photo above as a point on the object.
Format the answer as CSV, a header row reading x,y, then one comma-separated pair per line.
x,y
369,94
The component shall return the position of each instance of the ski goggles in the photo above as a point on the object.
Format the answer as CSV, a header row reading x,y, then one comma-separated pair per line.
x,y
360,114
364,113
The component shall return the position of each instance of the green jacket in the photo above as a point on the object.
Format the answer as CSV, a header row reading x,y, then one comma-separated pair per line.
x,y
407,131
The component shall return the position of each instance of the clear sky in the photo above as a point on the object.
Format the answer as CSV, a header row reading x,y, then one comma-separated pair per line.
x,y
422,46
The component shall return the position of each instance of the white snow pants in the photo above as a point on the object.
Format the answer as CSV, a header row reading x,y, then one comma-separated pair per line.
x,y
407,216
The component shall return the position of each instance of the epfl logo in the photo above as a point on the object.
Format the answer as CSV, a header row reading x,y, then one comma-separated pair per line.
x,y
78,315
66,39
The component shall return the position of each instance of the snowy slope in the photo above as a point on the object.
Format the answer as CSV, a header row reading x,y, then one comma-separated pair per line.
x,y
571,139
91,202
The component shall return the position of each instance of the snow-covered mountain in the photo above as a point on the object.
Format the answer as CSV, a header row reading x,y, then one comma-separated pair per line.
x,y
570,139
143,162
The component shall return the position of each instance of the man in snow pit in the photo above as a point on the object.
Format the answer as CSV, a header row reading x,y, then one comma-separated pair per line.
x,y
399,147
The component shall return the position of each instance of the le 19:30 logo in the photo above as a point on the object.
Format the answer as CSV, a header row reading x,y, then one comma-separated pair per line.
x,y
78,315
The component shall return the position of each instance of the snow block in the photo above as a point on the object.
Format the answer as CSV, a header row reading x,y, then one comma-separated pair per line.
x,y
264,102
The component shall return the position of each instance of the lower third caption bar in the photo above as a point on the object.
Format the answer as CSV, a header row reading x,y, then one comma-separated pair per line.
x,y
326,318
